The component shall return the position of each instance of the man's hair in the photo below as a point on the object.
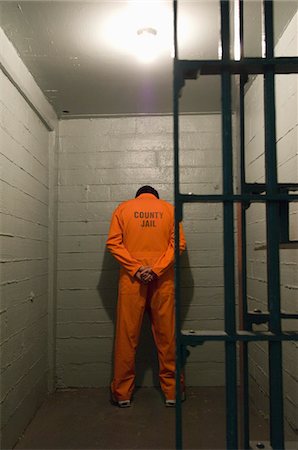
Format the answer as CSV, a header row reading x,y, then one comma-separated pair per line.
x,y
147,190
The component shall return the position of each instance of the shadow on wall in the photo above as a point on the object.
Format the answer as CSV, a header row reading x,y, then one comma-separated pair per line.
x,y
146,357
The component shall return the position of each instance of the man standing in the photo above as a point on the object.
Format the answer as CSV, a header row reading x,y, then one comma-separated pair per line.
x,y
141,238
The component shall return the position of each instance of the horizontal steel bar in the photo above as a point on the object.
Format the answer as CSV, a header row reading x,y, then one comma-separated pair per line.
x,y
218,198
192,337
190,69
256,188
263,317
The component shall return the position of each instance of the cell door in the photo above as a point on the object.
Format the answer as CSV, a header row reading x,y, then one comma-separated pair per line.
x,y
277,199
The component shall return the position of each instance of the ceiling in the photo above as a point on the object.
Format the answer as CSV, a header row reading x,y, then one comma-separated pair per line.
x,y
68,48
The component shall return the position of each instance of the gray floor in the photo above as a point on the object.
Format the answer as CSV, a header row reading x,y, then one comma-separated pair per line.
x,y
85,419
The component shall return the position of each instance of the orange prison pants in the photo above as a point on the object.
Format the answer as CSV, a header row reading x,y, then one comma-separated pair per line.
x,y
158,298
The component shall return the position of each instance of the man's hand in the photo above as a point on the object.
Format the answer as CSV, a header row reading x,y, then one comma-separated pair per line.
x,y
145,274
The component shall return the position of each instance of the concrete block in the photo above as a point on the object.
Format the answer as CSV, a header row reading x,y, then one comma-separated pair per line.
x,y
288,172
83,193
200,141
105,176
289,274
123,192
14,293
199,123
192,158
16,424
86,279
89,261
257,289
204,241
83,228
105,160
147,125
18,248
202,175
11,350
76,375
201,258
202,312
94,211
25,138
23,228
84,314
287,116
19,204
23,158
288,43
202,276
83,351
85,330
20,270
105,297
197,187
289,300
285,87
97,126
81,244
18,178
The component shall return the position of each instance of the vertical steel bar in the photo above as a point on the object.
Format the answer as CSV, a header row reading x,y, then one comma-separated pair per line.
x,y
176,87
244,370
228,211
272,229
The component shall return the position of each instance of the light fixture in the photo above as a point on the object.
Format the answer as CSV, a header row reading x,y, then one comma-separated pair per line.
x,y
143,29
147,45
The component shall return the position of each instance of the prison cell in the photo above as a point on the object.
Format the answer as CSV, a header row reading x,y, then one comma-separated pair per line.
x,y
276,197
59,284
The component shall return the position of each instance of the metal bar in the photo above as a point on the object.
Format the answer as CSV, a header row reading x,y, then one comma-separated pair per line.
x,y
243,350
272,228
195,337
261,187
246,66
217,198
261,317
229,277
284,212
178,214
242,266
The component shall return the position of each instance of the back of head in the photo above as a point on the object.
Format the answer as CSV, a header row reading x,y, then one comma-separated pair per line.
x,y
147,190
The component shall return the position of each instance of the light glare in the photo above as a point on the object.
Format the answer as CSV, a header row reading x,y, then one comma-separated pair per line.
x,y
121,30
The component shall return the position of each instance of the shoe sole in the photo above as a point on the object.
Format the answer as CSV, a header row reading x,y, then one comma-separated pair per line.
x,y
172,403
124,403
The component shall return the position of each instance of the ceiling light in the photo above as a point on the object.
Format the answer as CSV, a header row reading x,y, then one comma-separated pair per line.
x,y
142,29
147,46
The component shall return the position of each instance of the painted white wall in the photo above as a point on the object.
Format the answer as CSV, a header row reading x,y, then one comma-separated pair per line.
x,y
26,235
101,163
287,144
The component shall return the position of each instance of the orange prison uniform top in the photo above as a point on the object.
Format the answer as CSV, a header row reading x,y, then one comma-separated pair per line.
x,y
142,234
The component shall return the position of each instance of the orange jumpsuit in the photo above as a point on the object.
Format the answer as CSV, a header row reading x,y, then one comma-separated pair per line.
x,y
142,234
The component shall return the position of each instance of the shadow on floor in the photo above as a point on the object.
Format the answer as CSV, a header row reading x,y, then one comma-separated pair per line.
x,y
85,419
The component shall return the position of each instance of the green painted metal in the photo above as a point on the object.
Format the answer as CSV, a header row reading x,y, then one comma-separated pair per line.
x,y
273,235
178,218
191,198
276,197
228,229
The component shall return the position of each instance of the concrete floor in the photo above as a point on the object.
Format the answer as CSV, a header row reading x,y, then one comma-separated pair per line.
x,y
85,419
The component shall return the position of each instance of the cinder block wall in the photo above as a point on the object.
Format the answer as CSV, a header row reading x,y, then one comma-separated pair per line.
x,y
287,139
24,262
101,163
